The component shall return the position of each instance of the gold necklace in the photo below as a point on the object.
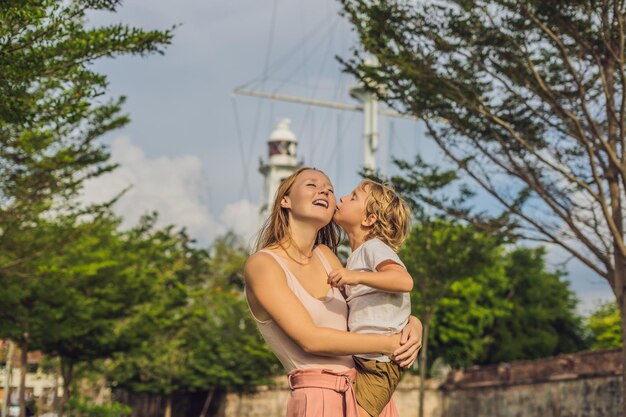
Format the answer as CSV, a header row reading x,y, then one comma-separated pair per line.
x,y
308,257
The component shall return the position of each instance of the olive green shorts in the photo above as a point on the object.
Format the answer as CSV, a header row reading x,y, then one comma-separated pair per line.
x,y
375,383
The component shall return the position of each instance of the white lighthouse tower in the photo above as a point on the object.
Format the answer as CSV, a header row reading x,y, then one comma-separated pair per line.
x,y
282,146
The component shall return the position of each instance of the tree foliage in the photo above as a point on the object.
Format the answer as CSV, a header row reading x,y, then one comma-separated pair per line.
x,y
483,303
201,336
528,99
543,320
443,256
460,328
604,325
52,113
52,110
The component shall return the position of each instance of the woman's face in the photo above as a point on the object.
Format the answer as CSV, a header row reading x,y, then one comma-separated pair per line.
x,y
311,198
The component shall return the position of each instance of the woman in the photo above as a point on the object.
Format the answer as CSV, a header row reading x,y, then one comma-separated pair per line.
x,y
302,318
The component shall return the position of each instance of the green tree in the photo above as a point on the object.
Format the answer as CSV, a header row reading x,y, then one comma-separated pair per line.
x,y
515,310
228,353
228,254
527,98
96,288
51,107
201,335
445,257
159,361
604,327
459,329
543,320
51,116
19,281
85,294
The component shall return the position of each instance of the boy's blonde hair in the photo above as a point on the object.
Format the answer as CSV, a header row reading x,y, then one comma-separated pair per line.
x,y
393,216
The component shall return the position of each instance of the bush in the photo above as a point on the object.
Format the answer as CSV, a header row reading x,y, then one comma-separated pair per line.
x,y
80,407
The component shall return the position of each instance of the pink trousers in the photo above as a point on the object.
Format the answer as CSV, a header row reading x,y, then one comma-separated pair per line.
x,y
326,393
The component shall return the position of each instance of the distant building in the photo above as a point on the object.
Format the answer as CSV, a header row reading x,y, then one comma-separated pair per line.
x,y
41,386
281,162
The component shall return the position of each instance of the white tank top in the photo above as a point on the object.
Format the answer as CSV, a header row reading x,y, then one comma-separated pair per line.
x,y
330,312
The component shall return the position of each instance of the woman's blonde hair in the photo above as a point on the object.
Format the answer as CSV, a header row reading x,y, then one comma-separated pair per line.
x,y
393,216
275,229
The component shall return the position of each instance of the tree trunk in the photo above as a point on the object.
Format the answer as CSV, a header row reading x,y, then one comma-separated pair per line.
x,y
23,370
207,402
67,373
8,369
168,406
423,363
615,193
619,280
55,395
622,310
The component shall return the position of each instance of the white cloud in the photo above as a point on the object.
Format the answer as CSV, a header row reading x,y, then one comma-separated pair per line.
x,y
174,187
242,217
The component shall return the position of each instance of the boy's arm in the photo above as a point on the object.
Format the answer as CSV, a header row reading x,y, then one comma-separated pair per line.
x,y
389,277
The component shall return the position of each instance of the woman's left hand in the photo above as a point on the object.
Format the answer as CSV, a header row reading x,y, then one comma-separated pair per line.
x,y
410,343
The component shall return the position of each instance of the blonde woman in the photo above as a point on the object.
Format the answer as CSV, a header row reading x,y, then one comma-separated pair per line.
x,y
302,318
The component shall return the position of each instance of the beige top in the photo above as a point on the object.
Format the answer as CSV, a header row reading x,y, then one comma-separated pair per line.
x,y
330,312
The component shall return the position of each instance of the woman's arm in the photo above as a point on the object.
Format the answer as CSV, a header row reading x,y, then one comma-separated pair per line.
x,y
411,340
270,297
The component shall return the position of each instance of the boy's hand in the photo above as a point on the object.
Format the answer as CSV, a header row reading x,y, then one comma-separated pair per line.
x,y
342,276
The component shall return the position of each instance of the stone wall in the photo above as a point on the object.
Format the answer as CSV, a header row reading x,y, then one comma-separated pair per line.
x,y
271,401
578,385
584,385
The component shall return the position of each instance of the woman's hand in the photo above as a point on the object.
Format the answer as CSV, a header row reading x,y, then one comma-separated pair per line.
x,y
411,342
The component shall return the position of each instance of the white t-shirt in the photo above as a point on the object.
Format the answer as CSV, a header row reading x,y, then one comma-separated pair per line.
x,y
372,310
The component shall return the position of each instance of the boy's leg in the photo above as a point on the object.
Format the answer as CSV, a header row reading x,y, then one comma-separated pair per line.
x,y
375,384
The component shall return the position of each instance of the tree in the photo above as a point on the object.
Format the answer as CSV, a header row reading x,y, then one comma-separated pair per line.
x,y
228,352
29,284
542,321
442,256
201,336
83,295
158,362
95,289
51,107
528,99
228,254
459,330
604,327
51,115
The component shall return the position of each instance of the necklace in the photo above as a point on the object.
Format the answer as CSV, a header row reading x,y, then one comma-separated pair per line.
x,y
307,257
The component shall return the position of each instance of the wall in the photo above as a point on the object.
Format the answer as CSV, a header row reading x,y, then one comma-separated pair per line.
x,y
271,401
585,385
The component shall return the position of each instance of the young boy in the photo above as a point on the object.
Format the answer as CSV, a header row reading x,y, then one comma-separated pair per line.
x,y
375,281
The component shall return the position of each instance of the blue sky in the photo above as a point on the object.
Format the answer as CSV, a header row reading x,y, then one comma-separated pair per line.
x,y
192,149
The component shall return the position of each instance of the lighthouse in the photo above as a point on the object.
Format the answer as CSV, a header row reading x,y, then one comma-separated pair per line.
x,y
281,162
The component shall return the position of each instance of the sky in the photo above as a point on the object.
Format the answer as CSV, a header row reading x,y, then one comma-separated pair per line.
x,y
192,149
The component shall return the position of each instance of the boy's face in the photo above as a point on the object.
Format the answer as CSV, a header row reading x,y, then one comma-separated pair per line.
x,y
350,211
